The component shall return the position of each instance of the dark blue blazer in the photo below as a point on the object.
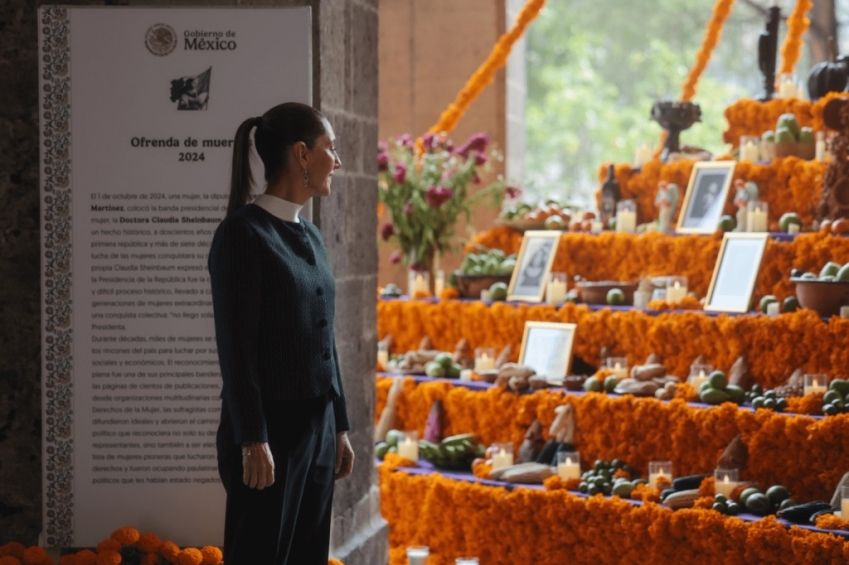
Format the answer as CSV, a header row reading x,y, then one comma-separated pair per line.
x,y
273,295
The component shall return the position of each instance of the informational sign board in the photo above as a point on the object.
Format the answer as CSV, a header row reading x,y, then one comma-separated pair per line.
x,y
138,111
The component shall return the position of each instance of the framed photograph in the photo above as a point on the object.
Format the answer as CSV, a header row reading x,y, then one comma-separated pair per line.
x,y
547,348
705,198
533,264
736,271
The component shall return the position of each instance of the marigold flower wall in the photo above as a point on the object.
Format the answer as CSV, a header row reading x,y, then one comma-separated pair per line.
x,y
800,452
775,346
456,518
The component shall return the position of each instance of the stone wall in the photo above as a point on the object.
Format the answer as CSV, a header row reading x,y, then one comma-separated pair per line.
x,y
345,88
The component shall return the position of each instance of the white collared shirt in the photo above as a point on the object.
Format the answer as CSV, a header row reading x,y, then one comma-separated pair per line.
x,y
283,209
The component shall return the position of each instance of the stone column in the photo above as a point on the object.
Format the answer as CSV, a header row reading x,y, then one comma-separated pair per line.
x,y
345,88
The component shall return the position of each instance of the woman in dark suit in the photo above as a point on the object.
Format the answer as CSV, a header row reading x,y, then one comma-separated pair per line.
x,y
282,437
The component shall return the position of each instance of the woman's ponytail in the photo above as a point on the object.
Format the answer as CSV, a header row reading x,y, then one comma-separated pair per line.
x,y
241,179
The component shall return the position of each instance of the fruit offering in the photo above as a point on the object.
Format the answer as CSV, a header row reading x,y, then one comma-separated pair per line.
x,y
722,504
830,272
836,398
391,290
550,213
716,390
760,503
788,131
488,262
769,399
454,452
610,477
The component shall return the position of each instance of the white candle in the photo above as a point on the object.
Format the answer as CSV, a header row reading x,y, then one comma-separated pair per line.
x,y
820,151
620,371
844,508
626,221
654,477
749,152
814,387
502,459
420,285
793,228
772,309
767,150
569,469
844,312
555,291
757,220
484,363
409,448
439,283
698,380
382,359
596,226
466,375
417,555
725,486
676,293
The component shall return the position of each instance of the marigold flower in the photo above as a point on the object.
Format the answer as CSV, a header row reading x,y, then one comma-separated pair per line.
x,y
85,557
334,562
148,542
9,560
190,556
126,536
109,545
151,559
67,560
36,556
211,555
169,550
108,557
13,548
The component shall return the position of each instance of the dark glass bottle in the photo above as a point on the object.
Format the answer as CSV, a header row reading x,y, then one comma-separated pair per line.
x,y
610,195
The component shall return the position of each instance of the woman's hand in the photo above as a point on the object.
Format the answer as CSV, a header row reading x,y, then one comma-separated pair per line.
x,y
344,456
258,465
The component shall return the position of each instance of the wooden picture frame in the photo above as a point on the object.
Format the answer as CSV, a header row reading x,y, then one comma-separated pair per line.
x,y
547,348
533,265
736,272
705,198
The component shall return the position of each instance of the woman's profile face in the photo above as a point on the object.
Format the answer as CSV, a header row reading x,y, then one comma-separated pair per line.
x,y
323,160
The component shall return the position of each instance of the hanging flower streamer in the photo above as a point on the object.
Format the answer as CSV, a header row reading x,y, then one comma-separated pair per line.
x,y
797,24
485,73
721,11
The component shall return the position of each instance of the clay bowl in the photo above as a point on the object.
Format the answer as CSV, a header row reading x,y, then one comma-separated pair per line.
x,y
805,151
595,292
823,297
470,286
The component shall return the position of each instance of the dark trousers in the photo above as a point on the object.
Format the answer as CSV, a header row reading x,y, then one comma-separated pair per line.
x,y
289,522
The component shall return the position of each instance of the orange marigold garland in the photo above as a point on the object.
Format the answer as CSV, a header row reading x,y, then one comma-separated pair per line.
x,y
13,549
126,536
484,74
9,560
797,25
36,556
108,557
721,11
109,545
190,556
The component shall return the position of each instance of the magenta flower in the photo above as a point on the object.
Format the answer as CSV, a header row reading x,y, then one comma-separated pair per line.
x,y
406,140
395,258
400,175
480,158
387,230
382,147
383,161
428,141
478,142
475,178
408,208
436,196
513,192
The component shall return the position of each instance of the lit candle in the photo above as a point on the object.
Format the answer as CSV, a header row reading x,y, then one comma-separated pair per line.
x,y
698,380
725,481
382,359
420,285
750,152
417,555
815,384
660,472
484,363
676,293
618,366
409,448
757,217
820,150
502,458
568,465
555,290
626,221
439,283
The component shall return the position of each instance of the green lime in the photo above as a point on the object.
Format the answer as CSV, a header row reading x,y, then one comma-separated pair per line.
x,y
759,504
758,402
726,223
434,369
831,396
583,487
744,496
843,273
736,393
830,269
592,384
766,301
718,380
732,508
610,382
615,296
808,276
787,219
787,503
719,507
498,291
777,494
381,449
790,304
721,498
713,396
393,437
454,371
444,359
840,385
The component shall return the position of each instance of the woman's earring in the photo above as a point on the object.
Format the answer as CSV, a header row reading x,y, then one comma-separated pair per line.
x,y
306,178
